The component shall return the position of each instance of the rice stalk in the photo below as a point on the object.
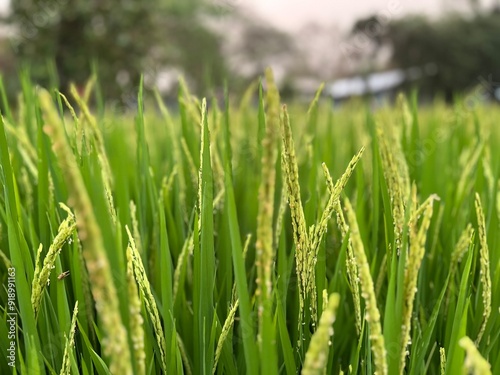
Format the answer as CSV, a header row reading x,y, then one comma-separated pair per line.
x,y
498,201
6,261
24,147
192,167
280,217
484,259
458,253
461,247
106,173
317,354
352,270
42,276
136,320
226,330
147,295
70,343
27,187
71,111
176,148
187,249
300,233
464,182
404,108
474,363
318,230
184,357
264,242
335,191
488,171
96,135
382,272
135,226
418,237
395,187
246,246
37,263
368,293
115,345
442,361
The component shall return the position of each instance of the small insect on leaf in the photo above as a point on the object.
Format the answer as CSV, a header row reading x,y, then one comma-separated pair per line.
x,y
63,275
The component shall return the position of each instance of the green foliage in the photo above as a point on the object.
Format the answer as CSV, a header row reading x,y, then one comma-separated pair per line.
x,y
464,49
124,37
158,262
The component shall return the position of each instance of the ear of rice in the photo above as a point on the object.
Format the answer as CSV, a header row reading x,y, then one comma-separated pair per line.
x,y
318,231
71,110
246,246
99,143
352,270
442,361
184,357
461,247
115,343
484,259
381,275
192,167
136,320
300,233
176,147
187,248
464,183
474,362
70,342
317,354
6,261
27,187
96,134
226,329
487,170
394,185
41,276
402,103
368,293
281,216
458,253
264,242
24,146
418,238
135,226
147,296
335,191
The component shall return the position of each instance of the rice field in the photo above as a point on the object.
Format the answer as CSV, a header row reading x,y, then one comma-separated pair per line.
x,y
245,236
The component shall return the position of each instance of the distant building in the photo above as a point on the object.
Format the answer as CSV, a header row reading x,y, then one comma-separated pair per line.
x,y
382,85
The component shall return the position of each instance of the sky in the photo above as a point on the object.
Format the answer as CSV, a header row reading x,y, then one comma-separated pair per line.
x,y
291,15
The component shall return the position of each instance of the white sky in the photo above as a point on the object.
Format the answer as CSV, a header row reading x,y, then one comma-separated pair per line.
x,y
292,14
3,6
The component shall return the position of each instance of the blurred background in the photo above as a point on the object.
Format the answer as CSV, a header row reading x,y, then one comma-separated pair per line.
x,y
370,48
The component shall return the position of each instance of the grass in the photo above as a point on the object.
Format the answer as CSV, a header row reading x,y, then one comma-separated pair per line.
x,y
229,238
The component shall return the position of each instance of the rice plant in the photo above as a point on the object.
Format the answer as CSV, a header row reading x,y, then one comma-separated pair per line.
x,y
247,236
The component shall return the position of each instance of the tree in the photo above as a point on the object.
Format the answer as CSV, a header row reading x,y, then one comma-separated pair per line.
x,y
125,37
465,50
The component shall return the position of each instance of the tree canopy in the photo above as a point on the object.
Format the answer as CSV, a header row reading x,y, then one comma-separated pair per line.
x,y
465,49
125,38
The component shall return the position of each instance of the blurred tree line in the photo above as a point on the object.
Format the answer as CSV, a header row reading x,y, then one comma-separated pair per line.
x,y
465,48
124,38
62,41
